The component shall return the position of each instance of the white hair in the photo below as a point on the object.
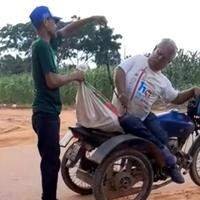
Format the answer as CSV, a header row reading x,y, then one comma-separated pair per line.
x,y
170,43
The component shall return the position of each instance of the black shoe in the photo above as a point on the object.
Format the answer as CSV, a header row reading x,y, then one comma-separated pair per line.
x,y
176,175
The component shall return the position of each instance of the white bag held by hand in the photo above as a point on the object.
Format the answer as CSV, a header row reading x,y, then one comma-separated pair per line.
x,y
94,111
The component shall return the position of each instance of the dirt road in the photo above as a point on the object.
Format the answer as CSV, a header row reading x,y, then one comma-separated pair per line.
x,y
19,162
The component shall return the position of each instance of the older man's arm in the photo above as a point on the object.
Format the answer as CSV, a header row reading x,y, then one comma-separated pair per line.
x,y
120,84
185,95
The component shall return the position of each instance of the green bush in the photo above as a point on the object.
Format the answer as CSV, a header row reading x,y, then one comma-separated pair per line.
x,y
18,89
184,72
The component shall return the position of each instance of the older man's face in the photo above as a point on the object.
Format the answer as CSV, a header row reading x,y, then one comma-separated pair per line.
x,y
161,56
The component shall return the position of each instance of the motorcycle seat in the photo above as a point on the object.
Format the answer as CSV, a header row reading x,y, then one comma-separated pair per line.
x,y
93,132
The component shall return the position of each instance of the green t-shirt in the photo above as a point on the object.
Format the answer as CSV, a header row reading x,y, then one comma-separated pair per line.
x,y
44,61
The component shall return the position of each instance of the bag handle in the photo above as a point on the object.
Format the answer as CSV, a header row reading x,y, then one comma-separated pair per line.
x,y
102,98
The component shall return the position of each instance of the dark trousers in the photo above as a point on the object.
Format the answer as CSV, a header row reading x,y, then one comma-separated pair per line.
x,y
47,128
149,129
153,125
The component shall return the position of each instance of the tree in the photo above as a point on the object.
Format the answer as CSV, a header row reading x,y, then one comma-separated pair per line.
x,y
17,39
91,43
14,65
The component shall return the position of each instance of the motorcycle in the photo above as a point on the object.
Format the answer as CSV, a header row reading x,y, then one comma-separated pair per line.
x,y
116,165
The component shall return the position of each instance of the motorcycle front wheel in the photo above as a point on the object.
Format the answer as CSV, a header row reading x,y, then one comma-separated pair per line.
x,y
195,166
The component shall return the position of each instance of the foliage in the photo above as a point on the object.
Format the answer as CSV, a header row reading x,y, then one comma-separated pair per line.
x,y
17,38
18,89
184,71
90,43
14,65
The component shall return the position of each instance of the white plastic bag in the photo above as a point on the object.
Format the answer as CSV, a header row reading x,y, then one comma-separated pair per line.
x,y
94,111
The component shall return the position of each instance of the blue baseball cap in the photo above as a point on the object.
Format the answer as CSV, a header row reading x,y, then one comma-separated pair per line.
x,y
39,14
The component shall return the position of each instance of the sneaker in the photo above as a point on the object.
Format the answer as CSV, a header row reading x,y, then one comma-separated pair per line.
x,y
176,175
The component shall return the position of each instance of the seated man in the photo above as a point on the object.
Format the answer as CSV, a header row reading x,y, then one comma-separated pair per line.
x,y
139,83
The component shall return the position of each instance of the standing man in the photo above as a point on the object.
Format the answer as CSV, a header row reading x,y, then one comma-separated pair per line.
x,y
47,103
139,83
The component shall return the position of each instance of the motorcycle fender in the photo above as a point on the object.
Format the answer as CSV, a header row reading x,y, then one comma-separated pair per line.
x,y
66,139
127,141
73,154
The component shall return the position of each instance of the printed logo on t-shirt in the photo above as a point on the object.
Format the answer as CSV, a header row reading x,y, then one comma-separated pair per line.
x,y
144,92
144,89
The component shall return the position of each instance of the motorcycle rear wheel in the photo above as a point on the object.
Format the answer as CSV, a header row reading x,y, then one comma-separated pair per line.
x,y
123,173
70,178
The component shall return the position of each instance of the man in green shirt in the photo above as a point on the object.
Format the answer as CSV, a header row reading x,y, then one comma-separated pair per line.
x,y
47,102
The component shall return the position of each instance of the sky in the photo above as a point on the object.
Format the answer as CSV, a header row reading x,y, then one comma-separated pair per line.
x,y
142,23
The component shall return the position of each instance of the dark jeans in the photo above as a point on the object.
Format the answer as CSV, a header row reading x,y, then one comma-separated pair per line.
x,y
153,125
149,129
47,128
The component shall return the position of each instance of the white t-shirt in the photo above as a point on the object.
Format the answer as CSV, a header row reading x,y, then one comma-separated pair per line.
x,y
144,87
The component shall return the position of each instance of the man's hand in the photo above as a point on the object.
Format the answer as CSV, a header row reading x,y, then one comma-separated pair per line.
x,y
100,20
77,76
124,100
197,91
185,95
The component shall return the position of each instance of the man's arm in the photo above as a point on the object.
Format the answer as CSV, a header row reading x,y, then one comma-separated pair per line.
x,y
71,28
120,81
185,95
54,80
120,84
